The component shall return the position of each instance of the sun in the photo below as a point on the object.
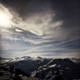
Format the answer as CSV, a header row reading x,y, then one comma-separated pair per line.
x,y
4,19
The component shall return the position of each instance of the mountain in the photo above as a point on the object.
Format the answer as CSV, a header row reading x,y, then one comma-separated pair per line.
x,y
5,60
39,68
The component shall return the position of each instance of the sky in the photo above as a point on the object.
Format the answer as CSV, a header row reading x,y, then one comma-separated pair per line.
x,y
47,28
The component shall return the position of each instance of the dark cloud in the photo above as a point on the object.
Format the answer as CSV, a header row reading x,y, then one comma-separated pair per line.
x,y
27,7
67,11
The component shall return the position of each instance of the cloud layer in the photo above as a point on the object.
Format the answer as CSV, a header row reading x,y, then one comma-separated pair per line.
x,y
41,28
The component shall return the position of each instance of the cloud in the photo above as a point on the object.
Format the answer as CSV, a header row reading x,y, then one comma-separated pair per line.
x,y
48,30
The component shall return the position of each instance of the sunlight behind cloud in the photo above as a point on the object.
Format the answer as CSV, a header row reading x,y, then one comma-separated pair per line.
x,y
5,17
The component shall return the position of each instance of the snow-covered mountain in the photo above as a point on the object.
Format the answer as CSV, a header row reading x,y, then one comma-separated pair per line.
x,y
5,60
47,68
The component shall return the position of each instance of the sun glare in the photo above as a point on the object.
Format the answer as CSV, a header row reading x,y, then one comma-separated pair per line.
x,y
4,19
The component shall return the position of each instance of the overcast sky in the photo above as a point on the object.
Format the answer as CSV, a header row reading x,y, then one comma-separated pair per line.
x,y
48,28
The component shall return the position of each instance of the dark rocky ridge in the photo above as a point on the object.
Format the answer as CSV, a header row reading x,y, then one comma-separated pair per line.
x,y
43,69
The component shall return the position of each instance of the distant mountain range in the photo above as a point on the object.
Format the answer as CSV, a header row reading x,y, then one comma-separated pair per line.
x,y
47,68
